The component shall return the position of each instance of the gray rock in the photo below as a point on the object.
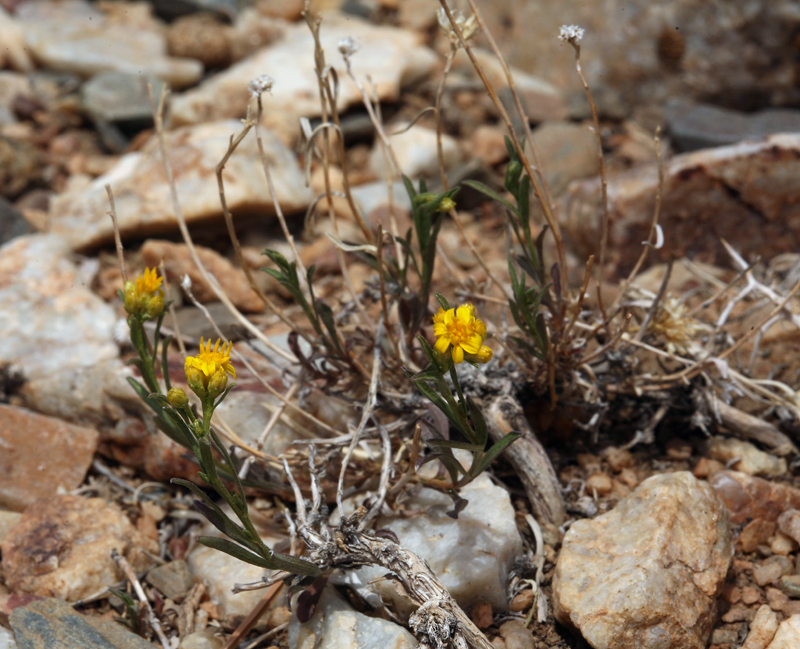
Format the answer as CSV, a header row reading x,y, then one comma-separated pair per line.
x,y
201,640
54,624
732,53
700,126
173,579
73,36
415,151
647,574
120,97
50,319
142,195
12,222
335,624
567,151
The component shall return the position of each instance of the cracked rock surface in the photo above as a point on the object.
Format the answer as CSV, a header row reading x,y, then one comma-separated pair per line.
x,y
647,573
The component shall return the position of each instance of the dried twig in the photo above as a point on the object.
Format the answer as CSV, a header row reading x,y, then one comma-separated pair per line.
x,y
122,562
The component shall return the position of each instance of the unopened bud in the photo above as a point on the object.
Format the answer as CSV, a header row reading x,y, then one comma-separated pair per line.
x,y
195,379
155,306
177,398
131,299
217,383
446,204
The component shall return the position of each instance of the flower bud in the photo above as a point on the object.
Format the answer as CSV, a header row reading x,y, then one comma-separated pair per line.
x,y
217,383
131,300
177,398
195,379
155,306
446,204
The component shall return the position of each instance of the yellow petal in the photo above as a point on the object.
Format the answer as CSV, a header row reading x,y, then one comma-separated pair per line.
x,y
449,317
472,344
480,328
439,329
465,314
458,355
442,344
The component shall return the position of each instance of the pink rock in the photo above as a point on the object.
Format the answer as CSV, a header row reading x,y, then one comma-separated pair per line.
x,y
747,497
39,455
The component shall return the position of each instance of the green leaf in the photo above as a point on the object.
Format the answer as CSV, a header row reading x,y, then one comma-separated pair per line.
x,y
488,191
237,551
449,443
442,301
493,452
276,274
478,423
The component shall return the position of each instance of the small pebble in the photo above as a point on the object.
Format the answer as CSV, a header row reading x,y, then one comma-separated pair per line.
x,y
731,593
766,573
751,595
783,544
599,482
762,629
522,601
628,477
738,614
588,461
776,599
517,635
790,584
201,640
786,564
617,458
724,636
482,615
679,449
706,467
756,532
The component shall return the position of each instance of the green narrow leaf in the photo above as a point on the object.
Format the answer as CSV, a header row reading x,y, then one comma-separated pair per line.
x,y
442,301
449,443
237,551
493,452
488,191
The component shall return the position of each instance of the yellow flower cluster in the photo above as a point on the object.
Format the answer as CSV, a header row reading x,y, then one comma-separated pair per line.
x,y
207,373
462,329
144,297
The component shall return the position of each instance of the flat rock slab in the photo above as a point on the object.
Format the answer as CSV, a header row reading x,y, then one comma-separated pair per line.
x,y
142,194
647,574
62,548
49,318
54,624
39,455
336,625
73,36
746,193
391,57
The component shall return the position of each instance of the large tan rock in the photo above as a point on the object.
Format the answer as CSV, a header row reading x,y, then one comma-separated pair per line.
x,y
647,573
391,57
62,548
788,634
39,455
142,194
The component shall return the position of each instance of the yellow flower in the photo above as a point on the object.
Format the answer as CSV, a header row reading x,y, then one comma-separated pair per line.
x,y
144,297
206,373
464,331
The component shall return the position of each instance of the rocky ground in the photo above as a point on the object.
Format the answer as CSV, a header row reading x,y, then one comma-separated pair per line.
x,y
668,437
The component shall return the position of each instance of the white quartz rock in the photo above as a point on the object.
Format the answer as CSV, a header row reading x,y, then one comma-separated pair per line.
x,y
50,319
471,556
647,574
335,625
788,634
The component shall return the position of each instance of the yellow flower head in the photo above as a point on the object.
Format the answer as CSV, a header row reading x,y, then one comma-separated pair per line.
x,y
464,331
207,373
144,297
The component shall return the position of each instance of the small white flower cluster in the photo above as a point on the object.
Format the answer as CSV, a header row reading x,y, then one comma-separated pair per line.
x,y
571,33
260,85
349,46
467,26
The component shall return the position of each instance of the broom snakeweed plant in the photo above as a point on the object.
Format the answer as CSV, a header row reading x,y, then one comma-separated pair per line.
x,y
207,376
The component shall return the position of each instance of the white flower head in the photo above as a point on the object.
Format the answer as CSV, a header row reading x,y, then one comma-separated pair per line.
x,y
260,85
467,26
571,33
348,46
